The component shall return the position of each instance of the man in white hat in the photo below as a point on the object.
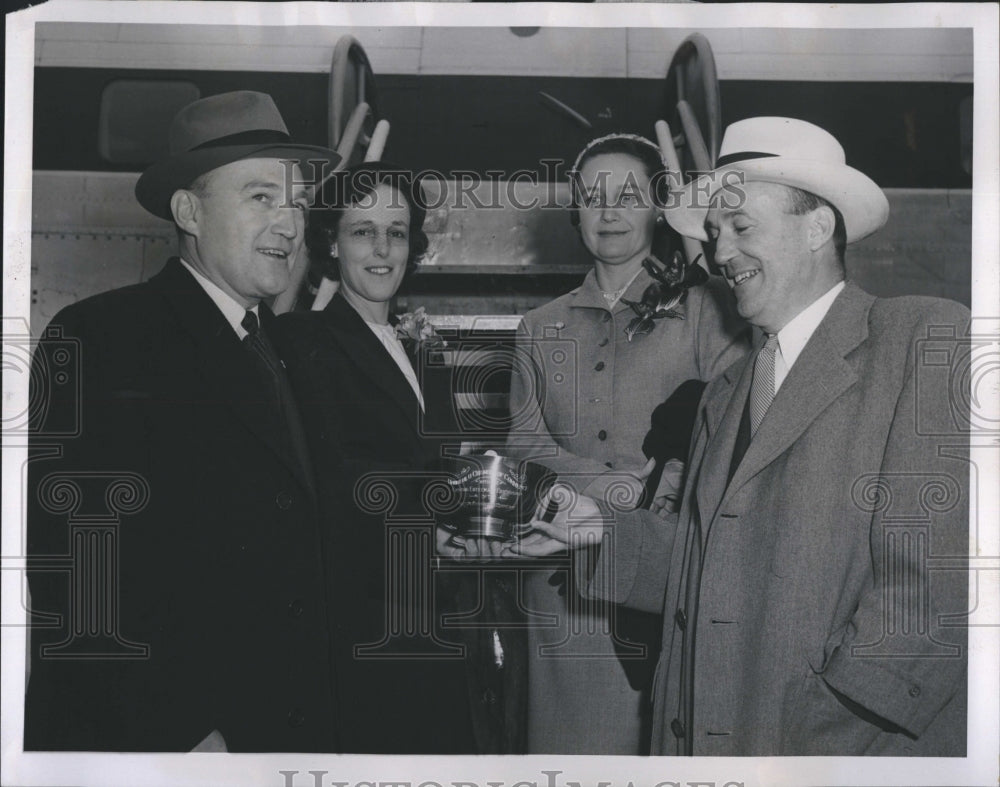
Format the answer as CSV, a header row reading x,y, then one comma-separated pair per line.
x,y
200,620
802,612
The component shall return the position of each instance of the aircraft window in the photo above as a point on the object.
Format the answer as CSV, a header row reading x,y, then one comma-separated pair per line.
x,y
135,115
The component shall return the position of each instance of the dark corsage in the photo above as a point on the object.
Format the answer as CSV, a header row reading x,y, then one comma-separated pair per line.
x,y
415,331
664,295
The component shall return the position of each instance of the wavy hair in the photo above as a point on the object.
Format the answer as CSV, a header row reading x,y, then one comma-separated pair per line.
x,y
347,187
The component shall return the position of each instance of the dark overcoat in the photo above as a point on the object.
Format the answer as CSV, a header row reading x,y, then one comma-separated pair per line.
x,y
404,692
219,560
815,604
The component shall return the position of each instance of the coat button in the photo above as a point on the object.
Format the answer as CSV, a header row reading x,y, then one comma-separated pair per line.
x,y
603,342
295,608
677,728
283,501
914,691
489,697
599,367
602,435
681,618
296,718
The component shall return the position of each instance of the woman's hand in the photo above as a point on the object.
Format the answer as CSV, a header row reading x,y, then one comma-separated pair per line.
x,y
577,522
622,486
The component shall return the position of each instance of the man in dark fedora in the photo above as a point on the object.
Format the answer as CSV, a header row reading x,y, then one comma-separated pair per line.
x,y
200,620
811,586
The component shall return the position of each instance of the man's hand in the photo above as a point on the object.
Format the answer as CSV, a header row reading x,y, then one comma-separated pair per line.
x,y
459,547
666,500
578,522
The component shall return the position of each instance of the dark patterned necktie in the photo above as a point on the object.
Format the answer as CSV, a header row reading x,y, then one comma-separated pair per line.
x,y
266,358
273,375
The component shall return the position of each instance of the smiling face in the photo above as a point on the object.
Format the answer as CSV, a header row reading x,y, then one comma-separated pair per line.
x,y
768,255
617,214
373,244
240,228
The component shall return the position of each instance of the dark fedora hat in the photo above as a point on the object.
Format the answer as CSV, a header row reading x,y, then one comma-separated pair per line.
x,y
219,130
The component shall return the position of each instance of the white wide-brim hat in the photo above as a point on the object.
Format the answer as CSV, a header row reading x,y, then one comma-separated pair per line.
x,y
786,151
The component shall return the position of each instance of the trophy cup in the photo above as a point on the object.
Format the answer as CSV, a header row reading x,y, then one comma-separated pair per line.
x,y
496,496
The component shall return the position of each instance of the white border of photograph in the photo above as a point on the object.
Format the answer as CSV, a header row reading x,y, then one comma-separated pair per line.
x,y
978,768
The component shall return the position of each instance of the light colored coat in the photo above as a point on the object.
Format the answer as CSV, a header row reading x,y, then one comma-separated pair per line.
x,y
803,611
581,398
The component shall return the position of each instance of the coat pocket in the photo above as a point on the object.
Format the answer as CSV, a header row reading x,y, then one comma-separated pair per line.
x,y
823,723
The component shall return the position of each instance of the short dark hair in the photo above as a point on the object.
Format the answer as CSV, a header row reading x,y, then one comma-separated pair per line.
x,y
200,184
644,151
347,187
801,202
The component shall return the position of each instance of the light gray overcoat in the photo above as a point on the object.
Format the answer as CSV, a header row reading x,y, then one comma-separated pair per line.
x,y
815,604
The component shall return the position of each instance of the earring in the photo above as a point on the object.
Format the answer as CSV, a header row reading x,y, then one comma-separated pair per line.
x,y
661,220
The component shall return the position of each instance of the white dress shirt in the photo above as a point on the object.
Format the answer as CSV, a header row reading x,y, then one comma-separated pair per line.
x,y
794,336
233,311
387,335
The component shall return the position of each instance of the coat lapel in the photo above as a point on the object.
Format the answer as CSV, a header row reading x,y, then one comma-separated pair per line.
x,y
723,409
369,356
222,361
820,375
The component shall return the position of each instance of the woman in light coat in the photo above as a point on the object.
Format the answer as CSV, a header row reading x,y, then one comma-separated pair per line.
x,y
588,375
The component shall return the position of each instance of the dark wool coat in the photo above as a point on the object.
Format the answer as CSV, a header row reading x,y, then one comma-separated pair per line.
x,y
409,693
220,570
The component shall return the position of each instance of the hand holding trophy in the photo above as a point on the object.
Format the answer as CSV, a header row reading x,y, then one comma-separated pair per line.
x,y
495,499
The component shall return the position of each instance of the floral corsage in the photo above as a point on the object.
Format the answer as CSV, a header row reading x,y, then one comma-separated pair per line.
x,y
662,297
415,331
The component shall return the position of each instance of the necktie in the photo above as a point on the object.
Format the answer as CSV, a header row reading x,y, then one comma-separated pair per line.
x,y
272,372
762,387
266,359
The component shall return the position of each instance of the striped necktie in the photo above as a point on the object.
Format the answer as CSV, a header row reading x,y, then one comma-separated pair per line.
x,y
762,387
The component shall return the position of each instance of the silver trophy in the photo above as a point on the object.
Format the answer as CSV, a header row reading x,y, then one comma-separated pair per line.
x,y
493,496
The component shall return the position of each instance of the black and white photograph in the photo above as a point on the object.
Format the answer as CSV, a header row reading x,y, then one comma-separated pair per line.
x,y
523,395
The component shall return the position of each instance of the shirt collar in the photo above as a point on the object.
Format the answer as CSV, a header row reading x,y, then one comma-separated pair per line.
x,y
793,338
588,294
233,311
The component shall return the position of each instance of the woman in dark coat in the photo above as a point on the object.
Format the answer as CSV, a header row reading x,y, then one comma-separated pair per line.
x,y
401,685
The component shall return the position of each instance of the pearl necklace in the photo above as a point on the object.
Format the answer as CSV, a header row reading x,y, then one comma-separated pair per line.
x,y
611,297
